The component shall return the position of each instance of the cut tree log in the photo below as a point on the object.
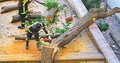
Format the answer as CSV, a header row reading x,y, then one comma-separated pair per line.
x,y
8,8
23,37
52,12
84,22
32,15
6,0
2,0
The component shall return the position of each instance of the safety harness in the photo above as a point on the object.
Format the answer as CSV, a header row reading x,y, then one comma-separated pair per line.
x,y
24,3
28,28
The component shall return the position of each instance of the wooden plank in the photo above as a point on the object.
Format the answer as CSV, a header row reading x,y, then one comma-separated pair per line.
x,y
100,40
80,56
20,57
81,61
37,57
61,61
78,6
103,45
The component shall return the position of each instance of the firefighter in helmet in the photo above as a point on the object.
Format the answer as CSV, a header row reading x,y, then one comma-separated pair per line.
x,y
34,30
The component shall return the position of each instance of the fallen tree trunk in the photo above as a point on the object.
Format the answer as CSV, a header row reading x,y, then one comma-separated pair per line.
x,y
84,22
23,37
8,8
32,15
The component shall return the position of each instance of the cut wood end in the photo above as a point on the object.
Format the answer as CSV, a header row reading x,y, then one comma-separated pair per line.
x,y
0,11
10,19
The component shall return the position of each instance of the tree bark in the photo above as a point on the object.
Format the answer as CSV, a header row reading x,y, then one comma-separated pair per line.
x,y
50,12
32,15
8,8
2,0
23,37
47,55
6,0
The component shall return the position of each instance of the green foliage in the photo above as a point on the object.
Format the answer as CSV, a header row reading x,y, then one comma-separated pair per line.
x,y
68,23
41,18
54,21
91,3
51,22
62,7
103,27
51,30
47,23
27,23
58,30
51,4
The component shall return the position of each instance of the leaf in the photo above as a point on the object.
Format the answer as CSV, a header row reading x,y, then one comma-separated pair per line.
x,y
51,4
103,27
91,3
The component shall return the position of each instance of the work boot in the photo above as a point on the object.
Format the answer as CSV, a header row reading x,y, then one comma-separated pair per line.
x,y
22,26
27,45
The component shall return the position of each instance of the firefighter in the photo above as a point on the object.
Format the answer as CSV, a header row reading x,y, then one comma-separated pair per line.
x,y
22,12
34,30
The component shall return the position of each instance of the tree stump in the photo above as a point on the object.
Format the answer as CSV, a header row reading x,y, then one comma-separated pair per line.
x,y
47,55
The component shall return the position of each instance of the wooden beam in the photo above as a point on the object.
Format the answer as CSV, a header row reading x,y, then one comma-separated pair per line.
x,y
37,57
80,56
78,6
103,45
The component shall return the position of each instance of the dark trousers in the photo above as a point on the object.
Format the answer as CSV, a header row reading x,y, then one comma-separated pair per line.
x,y
29,35
22,18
